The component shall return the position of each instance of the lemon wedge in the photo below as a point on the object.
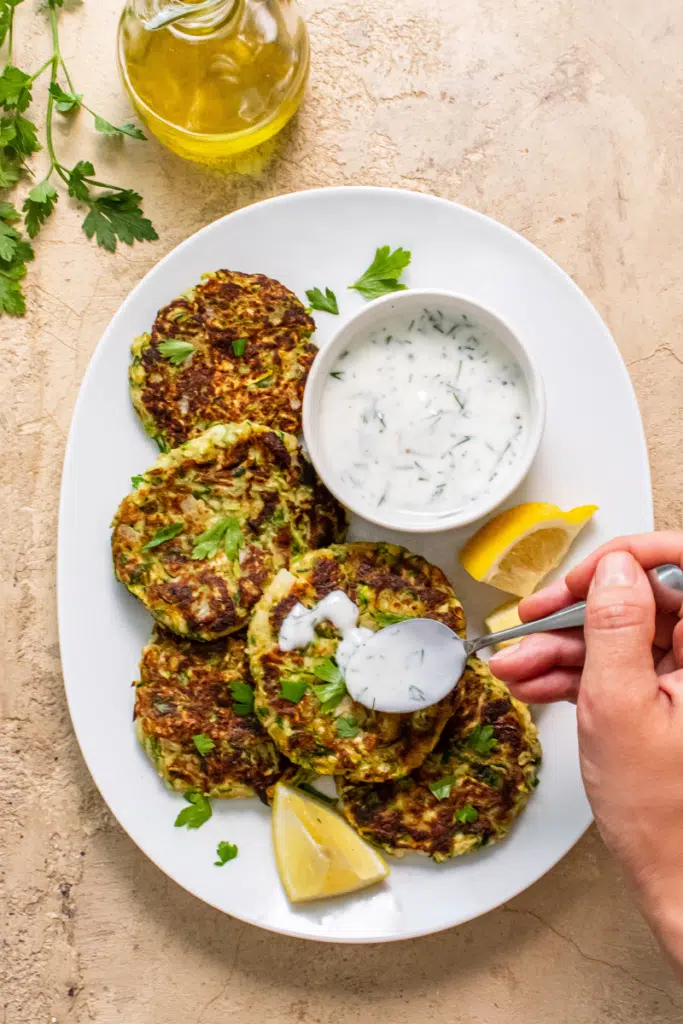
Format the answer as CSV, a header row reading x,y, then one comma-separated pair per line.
x,y
504,617
518,547
318,854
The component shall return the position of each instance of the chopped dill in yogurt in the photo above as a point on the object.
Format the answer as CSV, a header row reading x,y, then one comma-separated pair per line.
x,y
424,414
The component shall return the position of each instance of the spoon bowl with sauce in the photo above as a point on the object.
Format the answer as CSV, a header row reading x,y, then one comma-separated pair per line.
x,y
424,412
414,664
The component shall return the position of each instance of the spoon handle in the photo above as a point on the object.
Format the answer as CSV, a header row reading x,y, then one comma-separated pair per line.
x,y
667,585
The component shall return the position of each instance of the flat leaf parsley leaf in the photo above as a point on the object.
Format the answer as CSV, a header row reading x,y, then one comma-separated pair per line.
x,y
125,129
242,697
65,101
176,351
225,852
334,688
442,787
293,689
481,740
38,206
382,275
239,345
467,814
117,215
327,303
203,743
225,531
12,268
15,89
347,727
328,670
197,813
136,481
164,534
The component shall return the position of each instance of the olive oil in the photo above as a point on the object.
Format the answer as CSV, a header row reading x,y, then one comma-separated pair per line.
x,y
212,80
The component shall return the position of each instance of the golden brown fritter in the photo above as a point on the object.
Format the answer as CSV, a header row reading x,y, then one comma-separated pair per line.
x,y
340,736
469,790
212,522
189,690
250,356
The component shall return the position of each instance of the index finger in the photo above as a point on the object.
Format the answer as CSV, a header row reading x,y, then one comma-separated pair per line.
x,y
650,549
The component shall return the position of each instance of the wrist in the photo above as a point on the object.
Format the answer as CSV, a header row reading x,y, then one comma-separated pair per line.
x,y
662,903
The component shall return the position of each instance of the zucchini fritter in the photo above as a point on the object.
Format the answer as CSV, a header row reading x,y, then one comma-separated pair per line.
x,y
388,584
185,691
250,356
213,520
484,768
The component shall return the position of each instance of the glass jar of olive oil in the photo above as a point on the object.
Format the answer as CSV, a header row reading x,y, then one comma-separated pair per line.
x,y
212,79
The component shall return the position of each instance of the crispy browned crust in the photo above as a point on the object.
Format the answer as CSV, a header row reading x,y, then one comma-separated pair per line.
x,y
244,471
382,579
184,691
406,816
264,384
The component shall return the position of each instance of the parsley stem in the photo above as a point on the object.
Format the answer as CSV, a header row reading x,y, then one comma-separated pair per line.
x,y
10,35
66,74
55,60
39,72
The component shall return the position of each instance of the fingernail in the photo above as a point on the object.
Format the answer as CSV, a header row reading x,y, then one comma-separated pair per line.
x,y
616,569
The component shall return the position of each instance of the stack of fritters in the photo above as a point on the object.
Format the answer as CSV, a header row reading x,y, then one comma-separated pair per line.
x,y
231,528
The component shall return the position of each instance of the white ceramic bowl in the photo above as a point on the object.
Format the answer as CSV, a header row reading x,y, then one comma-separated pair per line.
x,y
408,304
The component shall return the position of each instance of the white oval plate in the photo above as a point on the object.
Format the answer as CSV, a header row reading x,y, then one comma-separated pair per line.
x,y
593,451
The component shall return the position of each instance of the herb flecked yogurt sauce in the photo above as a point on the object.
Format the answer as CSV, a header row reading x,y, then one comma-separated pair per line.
x,y
423,415
400,670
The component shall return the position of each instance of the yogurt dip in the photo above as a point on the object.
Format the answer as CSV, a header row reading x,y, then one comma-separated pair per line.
x,y
394,669
424,415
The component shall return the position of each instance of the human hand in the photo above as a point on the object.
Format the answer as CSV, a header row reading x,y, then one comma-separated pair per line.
x,y
626,674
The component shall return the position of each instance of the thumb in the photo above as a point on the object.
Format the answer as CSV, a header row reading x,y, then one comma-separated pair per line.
x,y
619,631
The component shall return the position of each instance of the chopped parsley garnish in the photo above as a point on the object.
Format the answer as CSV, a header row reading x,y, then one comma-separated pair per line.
x,y
326,303
239,345
293,689
225,852
328,670
337,374
467,814
481,740
331,692
203,743
225,531
382,275
164,534
442,787
312,791
388,618
347,727
176,351
197,813
265,382
242,697
136,481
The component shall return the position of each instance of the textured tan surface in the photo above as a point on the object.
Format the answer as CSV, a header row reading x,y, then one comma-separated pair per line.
x,y
562,119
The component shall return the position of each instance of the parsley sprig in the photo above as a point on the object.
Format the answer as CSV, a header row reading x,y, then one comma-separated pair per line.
x,y
382,276
114,214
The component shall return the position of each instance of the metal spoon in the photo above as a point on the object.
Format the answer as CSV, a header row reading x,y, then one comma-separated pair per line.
x,y
408,653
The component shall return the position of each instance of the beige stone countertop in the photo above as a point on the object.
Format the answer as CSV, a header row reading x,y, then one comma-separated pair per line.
x,y
561,118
